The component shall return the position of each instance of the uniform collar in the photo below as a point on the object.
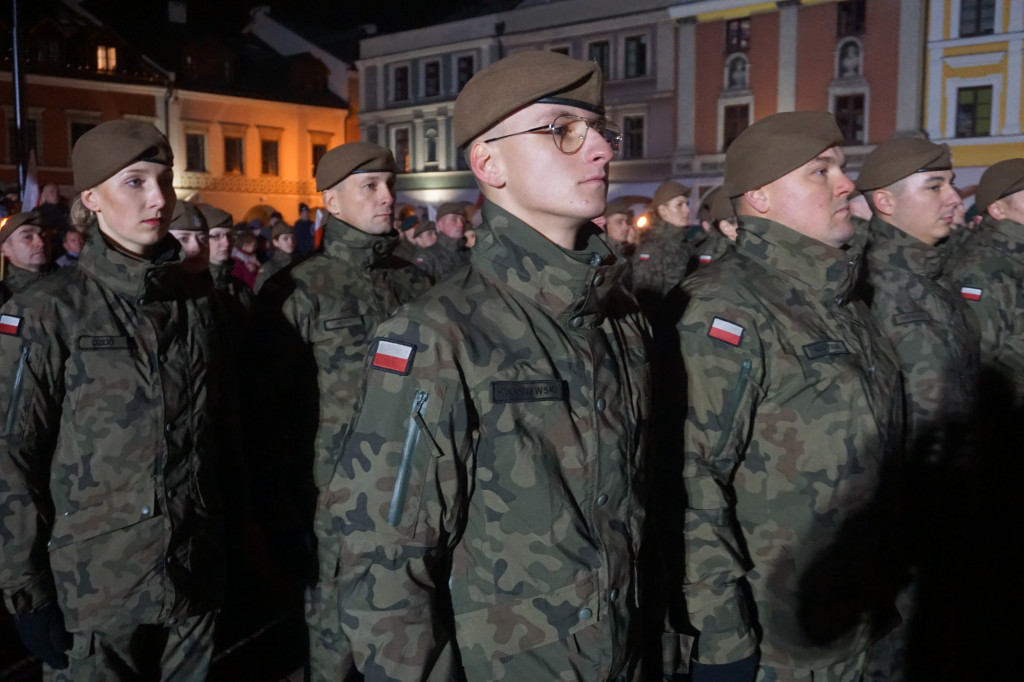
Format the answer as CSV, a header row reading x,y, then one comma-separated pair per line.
x,y
148,280
571,285
1005,235
16,279
892,247
345,242
824,269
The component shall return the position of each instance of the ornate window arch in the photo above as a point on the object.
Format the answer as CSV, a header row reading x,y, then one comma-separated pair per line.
x,y
849,59
737,73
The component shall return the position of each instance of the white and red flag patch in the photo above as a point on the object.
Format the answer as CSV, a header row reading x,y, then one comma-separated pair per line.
x,y
727,331
393,356
705,258
10,324
645,256
970,293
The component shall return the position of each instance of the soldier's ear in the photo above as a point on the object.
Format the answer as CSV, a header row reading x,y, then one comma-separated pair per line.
x,y
90,200
995,209
883,201
485,161
757,199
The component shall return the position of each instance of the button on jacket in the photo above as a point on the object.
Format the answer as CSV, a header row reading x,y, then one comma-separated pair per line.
x,y
487,496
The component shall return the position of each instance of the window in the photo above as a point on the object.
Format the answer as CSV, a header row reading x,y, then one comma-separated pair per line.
x,y
268,157
399,83
402,159
48,51
848,60
430,149
31,141
849,113
599,52
195,152
234,160
850,17
106,58
79,128
318,153
977,17
464,68
737,35
432,79
974,111
636,56
736,120
632,137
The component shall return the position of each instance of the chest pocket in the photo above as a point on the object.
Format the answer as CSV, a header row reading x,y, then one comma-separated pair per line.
x,y
102,369
340,341
828,361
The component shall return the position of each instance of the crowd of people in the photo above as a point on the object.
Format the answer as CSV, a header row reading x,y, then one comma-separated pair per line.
x,y
528,439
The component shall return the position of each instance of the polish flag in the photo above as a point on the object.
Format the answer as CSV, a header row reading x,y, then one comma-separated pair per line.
x,y
970,293
724,330
705,258
9,324
393,356
645,256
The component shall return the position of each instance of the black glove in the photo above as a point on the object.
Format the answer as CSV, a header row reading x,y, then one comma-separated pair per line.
x,y
44,635
737,671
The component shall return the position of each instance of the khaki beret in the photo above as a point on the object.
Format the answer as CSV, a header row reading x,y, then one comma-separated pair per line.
x,y
114,145
896,159
279,228
775,146
427,226
522,79
999,180
10,225
667,191
715,206
622,205
215,217
188,217
353,157
449,208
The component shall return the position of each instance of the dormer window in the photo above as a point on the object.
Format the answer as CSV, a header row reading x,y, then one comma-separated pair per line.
x,y
106,58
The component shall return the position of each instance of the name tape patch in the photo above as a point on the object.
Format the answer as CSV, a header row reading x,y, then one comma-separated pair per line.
x,y
911,318
393,356
10,325
526,391
727,331
823,349
104,343
970,293
341,322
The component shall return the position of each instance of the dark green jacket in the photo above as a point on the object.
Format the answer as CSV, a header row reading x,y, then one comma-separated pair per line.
x,y
16,280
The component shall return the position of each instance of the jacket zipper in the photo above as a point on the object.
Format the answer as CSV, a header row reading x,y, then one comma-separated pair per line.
x,y
412,439
733,406
12,408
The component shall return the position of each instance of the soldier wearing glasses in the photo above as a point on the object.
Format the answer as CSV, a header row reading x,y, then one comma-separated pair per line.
x,y
485,504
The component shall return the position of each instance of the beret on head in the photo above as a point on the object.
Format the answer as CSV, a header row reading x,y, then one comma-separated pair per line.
x,y
896,159
667,191
621,205
449,208
353,157
522,79
10,225
303,207
280,228
215,217
999,180
114,145
715,206
776,145
188,217
427,226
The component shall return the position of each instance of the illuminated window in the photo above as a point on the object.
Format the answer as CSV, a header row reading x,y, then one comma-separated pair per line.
x,y
106,58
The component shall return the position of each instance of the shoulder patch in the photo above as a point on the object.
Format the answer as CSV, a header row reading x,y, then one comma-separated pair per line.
x,y
10,325
971,293
705,258
645,257
727,331
393,356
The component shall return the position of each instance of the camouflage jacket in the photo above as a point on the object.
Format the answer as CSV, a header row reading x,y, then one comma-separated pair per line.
x,y
331,303
934,334
794,407
443,258
661,259
109,496
711,247
230,286
487,497
17,280
279,261
988,273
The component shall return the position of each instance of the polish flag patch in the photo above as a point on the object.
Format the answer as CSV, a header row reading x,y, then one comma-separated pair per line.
x,y
645,256
393,356
705,258
724,330
10,325
970,293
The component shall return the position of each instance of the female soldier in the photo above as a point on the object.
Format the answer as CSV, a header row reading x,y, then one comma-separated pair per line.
x,y
109,513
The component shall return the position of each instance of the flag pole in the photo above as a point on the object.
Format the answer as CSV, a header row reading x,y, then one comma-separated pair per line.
x,y
19,99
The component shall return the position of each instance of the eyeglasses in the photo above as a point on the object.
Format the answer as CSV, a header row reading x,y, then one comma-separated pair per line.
x,y
570,132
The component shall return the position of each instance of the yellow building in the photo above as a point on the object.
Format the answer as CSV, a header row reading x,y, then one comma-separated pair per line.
x,y
973,81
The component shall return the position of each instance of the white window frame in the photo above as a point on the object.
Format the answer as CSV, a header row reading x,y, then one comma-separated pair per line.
x,y
725,72
455,68
646,35
954,84
645,138
390,71
837,67
954,19
423,78
393,144
845,91
189,127
611,73
729,100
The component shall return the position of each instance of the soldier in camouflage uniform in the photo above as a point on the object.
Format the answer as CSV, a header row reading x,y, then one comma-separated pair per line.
x,y
663,256
109,498
322,313
282,238
989,271
24,253
793,408
449,251
718,224
486,505
221,239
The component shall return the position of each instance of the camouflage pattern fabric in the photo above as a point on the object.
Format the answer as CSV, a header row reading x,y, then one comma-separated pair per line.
x,y
230,286
661,259
279,261
322,314
988,272
794,410
17,280
109,497
711,247
443,258
933,333
487,498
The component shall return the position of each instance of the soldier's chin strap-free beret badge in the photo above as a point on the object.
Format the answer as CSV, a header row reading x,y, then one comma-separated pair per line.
x,y
520,80
353,157
114,145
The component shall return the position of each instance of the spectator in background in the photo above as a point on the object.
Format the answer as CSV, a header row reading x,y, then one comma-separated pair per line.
x,y
72,244
305,231
246,262
24,253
